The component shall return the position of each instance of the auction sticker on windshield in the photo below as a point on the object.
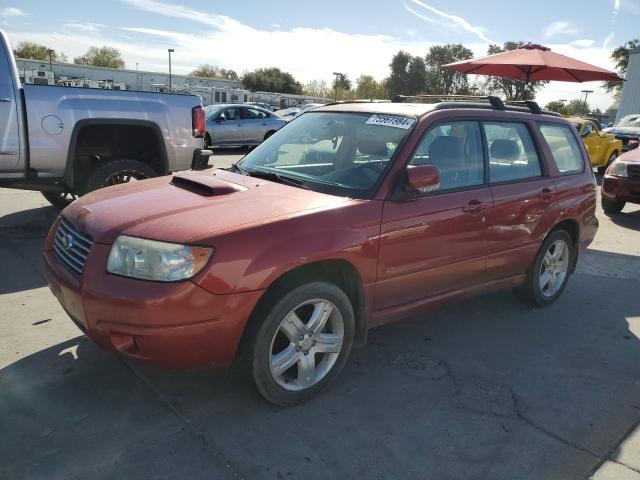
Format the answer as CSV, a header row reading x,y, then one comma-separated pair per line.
x,y
390,121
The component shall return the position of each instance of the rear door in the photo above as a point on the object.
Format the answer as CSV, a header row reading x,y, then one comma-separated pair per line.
x,y
229,129
255,123
9,125
522,194
437,242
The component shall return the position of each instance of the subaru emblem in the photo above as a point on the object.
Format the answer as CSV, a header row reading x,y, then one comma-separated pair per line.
x,y
67,241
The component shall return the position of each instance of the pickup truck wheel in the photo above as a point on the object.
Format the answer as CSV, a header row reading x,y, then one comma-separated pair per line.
x,y
118,171
550,271
612,206
302,344
59,200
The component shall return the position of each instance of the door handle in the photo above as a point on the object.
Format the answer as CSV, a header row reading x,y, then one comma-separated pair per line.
x,y
7,100
5,152
474,206
545,194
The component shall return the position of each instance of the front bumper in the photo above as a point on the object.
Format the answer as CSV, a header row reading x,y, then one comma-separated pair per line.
x,y
166,324
622,189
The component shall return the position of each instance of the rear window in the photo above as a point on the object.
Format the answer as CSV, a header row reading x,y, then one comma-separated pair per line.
x,y
564,147
512,154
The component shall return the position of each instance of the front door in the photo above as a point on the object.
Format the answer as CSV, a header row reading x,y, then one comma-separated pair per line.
x,y
522,193
437,242
592,142
9,127
229,129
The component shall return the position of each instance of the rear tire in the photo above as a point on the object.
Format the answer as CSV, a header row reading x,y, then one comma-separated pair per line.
x,y
268,134
612,207
116,172
549,274
291,357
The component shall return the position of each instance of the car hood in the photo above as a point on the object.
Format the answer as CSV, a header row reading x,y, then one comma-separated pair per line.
x,y
632,156
190,205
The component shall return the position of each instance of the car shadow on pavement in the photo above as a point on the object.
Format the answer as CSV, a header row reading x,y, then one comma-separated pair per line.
x,y
21,236
483,388
629,218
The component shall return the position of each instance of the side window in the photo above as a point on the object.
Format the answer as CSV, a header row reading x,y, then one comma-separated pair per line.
x,y
564,148
253,114
455,148
588,129
512,155
230,114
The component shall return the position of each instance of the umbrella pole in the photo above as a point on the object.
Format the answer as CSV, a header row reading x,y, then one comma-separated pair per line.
x,y
525,94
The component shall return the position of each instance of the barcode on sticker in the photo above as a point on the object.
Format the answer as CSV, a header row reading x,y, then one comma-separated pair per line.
x,y
390,121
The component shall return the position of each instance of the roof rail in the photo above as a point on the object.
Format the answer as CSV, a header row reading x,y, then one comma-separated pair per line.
x,y
341,102
496,102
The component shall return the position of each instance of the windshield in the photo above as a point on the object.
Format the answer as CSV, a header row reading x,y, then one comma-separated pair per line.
x,y
338,153
630,121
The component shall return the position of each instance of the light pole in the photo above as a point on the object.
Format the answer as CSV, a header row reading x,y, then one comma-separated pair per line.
x,y
170,50
586,94
50,52
335,85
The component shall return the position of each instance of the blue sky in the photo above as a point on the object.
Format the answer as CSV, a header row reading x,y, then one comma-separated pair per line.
x,y
313,39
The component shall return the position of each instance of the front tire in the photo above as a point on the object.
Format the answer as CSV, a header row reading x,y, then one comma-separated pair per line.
x,y
268,134
116,172
302,343
549,274
612,207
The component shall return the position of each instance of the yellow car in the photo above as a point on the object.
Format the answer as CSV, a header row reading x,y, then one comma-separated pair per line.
x,y
603,148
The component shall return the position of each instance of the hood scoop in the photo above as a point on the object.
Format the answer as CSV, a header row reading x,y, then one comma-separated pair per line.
x,y
206,186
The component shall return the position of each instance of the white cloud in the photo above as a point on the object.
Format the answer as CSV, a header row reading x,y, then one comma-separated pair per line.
x,y
11,12
454,19
616,5
85,27
582,43
608,40
559,28
276,25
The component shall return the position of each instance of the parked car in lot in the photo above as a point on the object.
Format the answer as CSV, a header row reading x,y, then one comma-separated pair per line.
x,y
235,125
621,183
306,107
66,141
603,148
287,113
352,216
627,130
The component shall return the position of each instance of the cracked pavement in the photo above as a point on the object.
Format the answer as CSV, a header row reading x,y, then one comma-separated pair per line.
x,y
482,388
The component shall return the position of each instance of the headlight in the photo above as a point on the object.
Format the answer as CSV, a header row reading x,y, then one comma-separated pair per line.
x,y
618,169
153,260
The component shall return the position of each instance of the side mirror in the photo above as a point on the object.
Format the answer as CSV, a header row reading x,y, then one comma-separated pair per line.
x,y
585,133
423,178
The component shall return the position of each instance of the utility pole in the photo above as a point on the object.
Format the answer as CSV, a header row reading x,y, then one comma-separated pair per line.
x,y
586,94
170,50
50,52
335,85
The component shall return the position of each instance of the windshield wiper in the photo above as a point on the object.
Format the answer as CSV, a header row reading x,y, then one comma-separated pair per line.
x,y
277,177
239,168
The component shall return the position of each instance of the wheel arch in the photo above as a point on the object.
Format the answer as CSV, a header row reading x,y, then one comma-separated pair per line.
x,y
81,125
339,272
572,227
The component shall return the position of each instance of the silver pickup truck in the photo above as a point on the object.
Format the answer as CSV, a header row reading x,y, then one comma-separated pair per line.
x,y
66,141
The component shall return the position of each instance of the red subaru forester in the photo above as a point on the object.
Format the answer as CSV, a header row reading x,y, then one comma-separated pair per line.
x,y
351,216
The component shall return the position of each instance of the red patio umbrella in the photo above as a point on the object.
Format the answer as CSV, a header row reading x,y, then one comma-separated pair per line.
x,y
533,62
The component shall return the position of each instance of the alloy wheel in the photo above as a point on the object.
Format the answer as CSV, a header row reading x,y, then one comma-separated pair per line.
x,y
554,268
306,344
124,176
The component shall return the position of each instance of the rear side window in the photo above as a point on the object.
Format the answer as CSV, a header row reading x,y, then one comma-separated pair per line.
x,y
512,155
564,147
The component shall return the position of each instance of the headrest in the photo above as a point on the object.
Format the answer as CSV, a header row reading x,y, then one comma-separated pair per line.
x,y
445,147
505,149
373,146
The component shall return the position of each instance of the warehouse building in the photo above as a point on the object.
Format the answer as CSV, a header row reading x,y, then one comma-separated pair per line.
x,y
211,90
630,99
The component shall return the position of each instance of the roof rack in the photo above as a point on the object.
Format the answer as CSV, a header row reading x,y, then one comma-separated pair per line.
x,y
341,102
471,101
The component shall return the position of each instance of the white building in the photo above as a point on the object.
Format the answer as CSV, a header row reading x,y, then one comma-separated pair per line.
x,y
630,99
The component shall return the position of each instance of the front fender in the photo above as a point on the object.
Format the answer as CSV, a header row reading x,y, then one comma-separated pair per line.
x,y
253,257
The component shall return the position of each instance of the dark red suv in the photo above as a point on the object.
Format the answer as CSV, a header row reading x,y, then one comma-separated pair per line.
x,y
351,216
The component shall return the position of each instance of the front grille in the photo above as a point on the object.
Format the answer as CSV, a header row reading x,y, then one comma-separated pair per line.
x,y
71,246
633,171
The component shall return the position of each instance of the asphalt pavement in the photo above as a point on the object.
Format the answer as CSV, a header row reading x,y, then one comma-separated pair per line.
x,y
486,388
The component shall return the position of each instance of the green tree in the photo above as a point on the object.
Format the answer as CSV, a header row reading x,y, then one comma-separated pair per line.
x,y
441,81
408,75
317,88
512,89
369,87
212,71
38,52
620,57
555,106
101,57
577,106
271,80
341,82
